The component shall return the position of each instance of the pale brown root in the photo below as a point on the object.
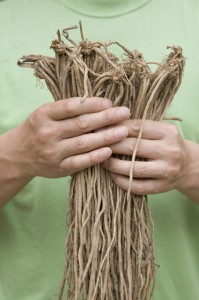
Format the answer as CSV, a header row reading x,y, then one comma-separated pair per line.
x,y
110,242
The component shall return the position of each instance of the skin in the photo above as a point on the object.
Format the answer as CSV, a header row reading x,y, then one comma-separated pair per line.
x,y
172,162
53,142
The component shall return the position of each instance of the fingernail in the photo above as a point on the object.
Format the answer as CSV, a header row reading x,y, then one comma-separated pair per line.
x,y
106,103
123,112
121,132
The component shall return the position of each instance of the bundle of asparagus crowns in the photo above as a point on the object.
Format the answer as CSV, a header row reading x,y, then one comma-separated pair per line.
x,y
110,244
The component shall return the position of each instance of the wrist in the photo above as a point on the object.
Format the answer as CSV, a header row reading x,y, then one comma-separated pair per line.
x,y
188,184
13,175
12,158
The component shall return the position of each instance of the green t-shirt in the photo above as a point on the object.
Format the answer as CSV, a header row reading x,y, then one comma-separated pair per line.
x,y
32,224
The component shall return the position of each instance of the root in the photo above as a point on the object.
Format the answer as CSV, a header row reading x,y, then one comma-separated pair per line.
x,y
110,242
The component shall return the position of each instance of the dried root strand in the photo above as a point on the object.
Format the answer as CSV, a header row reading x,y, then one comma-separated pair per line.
x,y
110,241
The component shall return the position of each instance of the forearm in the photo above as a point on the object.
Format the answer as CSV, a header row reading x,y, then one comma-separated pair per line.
x,y
9,187
12,176
189,184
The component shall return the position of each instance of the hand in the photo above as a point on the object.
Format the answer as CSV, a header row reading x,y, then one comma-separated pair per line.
x,y
166,155
58,140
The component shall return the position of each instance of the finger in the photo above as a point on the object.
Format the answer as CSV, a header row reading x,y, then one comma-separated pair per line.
x,y
141,169
77,163
141,187
89,122
72,107
150,149
152,130
88,142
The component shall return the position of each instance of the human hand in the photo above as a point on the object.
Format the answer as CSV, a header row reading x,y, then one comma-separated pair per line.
x,y
58,140
166,153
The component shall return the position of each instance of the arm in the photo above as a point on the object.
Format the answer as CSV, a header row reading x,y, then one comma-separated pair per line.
x,y
53,142
171,162
12,175
189,185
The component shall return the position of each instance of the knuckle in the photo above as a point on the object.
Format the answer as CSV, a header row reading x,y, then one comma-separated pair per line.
x,y
143,169
47,154
175,153
174,131
136,125
139,148
44,134
107,116
82,122
107,135
131,146
38,116
93,158
81,143
31,121
69,105
35,119
173,171
73,164
42,110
